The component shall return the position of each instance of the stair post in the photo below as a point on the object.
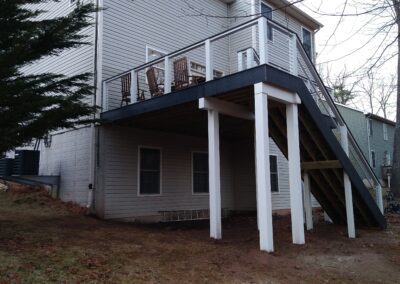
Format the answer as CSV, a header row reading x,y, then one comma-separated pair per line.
x,y
347,186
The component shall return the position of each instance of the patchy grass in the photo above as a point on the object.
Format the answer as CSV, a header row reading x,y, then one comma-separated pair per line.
x,y
44,241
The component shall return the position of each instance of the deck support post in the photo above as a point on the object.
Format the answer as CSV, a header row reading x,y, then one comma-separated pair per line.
x,y
307,202
351,229
296,198
214,174
264,199
378,196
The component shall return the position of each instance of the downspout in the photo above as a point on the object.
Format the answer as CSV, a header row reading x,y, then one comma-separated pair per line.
x,y
94,140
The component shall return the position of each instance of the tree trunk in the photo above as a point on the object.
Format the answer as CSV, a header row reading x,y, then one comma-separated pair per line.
x,y
395,184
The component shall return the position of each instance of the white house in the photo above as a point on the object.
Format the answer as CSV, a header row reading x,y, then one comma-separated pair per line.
x,y
203,105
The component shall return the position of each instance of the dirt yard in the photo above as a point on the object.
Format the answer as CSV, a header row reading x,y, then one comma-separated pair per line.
x,y
43,241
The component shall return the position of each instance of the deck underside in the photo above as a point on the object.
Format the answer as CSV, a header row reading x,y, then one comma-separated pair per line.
x,y
178,112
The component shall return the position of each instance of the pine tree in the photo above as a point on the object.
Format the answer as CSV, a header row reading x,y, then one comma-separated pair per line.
x,y
33,105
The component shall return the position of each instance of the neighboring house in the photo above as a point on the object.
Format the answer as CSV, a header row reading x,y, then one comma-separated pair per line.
x,y
380,143
375,137
212,133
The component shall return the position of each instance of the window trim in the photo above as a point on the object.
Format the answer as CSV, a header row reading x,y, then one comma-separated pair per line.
x,y
277,174
192,173
311,39
152,48
148,47
139,194
264,2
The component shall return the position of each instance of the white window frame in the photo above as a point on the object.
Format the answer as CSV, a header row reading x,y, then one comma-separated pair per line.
x,y
311,38
385,132
277,174
148,48
138,171
272,18
192,173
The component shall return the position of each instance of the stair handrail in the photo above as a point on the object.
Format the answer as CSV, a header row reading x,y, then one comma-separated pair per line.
x,y
334,109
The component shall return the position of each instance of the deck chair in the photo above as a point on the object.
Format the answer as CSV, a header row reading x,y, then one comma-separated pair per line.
x,y
126,81
154,87
182,79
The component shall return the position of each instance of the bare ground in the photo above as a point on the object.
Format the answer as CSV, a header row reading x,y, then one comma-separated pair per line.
x,y
43,241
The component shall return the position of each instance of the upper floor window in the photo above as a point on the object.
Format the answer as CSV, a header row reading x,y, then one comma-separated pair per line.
x,y
385,132
149,171
266,11
307,42
370,131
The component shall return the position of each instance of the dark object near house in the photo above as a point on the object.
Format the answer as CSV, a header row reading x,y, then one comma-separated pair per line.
x,y
6,167
26,162
392,205
155,88
126,81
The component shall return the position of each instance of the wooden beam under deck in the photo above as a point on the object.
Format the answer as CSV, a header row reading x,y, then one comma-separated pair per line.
x,y
320,165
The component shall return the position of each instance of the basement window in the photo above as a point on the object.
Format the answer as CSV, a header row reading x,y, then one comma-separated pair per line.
x,y
273,165
200,172
149,171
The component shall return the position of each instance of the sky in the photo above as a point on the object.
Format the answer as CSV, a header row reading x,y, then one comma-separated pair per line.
x,y
352,44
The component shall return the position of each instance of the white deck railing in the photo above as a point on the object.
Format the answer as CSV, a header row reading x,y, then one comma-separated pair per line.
x,y
227,53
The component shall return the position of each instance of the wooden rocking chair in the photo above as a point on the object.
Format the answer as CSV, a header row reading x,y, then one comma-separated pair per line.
x,y
126,81
182,78
154,87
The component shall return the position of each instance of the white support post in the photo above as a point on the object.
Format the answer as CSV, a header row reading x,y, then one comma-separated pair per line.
x,y
105,97
167,75
351,229
378,197
308,202
293,55
264,199
262,40
134,87
296,200
209,61
214,174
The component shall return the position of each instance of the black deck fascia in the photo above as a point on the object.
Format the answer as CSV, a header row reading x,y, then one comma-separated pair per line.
x,y
243,79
